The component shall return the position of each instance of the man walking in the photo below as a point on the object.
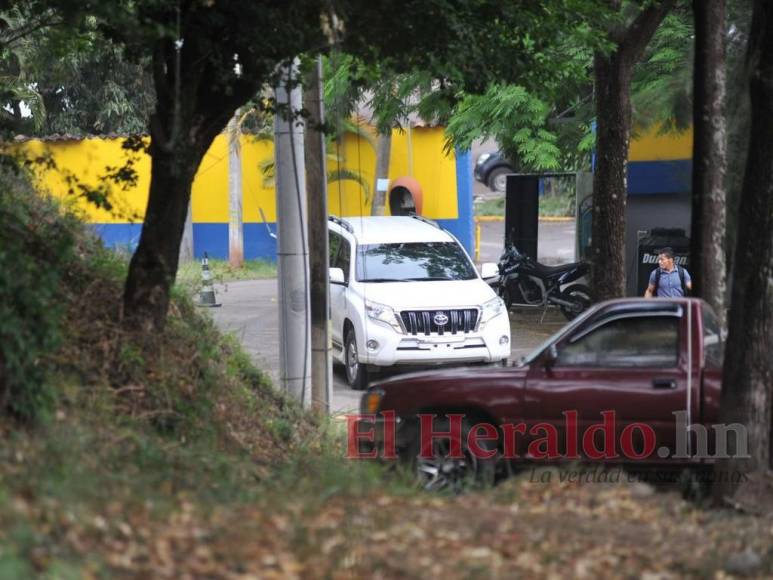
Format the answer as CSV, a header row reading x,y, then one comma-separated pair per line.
x,y
668,279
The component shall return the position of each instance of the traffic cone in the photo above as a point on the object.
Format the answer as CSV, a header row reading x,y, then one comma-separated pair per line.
x,y
207,294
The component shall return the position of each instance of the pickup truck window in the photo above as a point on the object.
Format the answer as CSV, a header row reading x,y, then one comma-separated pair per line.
x,y
712,340
333,245
339,252
413,262
644,341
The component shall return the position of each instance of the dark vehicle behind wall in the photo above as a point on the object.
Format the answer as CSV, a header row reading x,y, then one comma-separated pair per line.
x,y
648,363
491,169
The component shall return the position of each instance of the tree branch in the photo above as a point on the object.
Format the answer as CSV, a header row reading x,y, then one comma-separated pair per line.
x,y
45,21
641,30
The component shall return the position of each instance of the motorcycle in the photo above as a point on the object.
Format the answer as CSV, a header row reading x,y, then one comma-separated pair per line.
x,y
524,282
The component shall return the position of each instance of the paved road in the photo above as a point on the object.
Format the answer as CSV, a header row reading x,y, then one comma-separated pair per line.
x,y
555,241
250,312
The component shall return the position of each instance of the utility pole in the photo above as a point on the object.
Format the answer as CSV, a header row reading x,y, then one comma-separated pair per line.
x,y
316,197
292,247
383,151
235,224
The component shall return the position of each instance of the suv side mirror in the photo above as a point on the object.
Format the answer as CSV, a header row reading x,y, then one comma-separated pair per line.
x,y
488,270
551,356
336,276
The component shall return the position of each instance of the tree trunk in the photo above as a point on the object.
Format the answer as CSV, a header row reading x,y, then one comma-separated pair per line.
x,y
747,380
612,73
707,254
383,151
154,264
186,245
613,129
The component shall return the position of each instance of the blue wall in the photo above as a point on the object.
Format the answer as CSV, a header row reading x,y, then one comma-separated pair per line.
x,y
207,237
646,177
462,227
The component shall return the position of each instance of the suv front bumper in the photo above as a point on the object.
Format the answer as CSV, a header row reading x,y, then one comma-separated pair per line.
x,y
383,346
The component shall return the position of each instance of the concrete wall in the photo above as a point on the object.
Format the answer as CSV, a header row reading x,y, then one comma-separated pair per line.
x,y
89,160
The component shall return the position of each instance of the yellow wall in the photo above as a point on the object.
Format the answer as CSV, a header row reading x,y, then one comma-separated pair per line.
x,y
650,146
435,172
89,159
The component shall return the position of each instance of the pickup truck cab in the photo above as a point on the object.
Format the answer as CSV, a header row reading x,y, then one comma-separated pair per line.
x,y
630,380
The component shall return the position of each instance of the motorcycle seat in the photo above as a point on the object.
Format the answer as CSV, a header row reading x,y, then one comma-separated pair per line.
x,y
554,271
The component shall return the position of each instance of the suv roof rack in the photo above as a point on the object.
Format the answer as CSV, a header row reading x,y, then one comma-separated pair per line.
x,y
341,222
427,221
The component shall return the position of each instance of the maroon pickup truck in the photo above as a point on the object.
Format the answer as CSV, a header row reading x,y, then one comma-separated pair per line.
x,y
631,380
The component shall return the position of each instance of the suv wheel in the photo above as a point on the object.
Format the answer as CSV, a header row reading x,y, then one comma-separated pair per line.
x,y
356,373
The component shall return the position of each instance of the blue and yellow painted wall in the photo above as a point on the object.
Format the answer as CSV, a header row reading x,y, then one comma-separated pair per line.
x,y
660,163
445,180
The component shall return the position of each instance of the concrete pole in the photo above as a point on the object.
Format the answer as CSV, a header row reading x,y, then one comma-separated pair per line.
x,y
383,151
292,246
235,223
316,196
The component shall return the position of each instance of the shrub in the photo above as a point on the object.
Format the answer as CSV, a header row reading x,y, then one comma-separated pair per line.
x,y
36,244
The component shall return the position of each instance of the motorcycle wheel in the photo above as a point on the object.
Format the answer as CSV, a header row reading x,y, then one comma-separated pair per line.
x,y
580,295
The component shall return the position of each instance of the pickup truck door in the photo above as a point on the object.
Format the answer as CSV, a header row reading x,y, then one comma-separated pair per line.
x,y
633,364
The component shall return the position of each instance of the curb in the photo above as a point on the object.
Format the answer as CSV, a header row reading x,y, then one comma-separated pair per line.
x,y
499,218
549,218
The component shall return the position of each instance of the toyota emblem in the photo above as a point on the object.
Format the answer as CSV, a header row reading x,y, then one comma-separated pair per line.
x,y
440,319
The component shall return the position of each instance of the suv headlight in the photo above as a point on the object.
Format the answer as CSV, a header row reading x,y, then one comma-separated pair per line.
x,y
491,309
482,158
383,313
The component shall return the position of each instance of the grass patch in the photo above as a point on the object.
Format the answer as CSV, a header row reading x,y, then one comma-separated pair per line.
x,y
494,207
146,437
549,206
557,205
189,274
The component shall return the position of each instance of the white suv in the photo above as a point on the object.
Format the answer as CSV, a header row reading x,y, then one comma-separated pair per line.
x,y
403,291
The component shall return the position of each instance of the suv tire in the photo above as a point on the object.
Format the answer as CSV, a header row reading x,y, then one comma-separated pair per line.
x,y
356,372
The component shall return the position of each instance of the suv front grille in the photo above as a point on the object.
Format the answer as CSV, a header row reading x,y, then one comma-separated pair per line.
x,y
426,321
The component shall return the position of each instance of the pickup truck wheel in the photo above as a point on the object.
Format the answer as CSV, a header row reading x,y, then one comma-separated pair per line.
x,y
443,473
356,372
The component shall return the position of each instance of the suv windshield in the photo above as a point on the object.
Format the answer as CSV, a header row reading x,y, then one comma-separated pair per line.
x,y
413,262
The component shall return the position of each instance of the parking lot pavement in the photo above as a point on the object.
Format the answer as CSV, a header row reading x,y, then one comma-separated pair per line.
x,y
249,312
555,243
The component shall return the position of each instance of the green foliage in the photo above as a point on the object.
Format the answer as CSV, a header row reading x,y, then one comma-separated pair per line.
x,y
661,89
189,273
512,114
74,80
560,205
36,246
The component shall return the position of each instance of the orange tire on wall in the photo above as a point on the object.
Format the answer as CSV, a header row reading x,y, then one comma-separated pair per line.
x,y
412,186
